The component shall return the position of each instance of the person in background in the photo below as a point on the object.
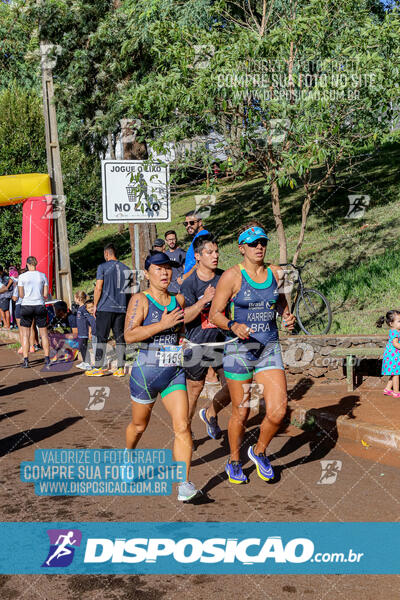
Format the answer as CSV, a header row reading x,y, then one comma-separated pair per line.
x,y
159,245
92,323
6,291
63,321
13,273
194,227
216,170
391,355
111,296
198,291
15,298
63,333
33,289
178,255
82,325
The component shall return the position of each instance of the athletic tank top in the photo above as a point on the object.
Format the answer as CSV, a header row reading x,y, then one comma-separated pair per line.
x,y
255,305
168,337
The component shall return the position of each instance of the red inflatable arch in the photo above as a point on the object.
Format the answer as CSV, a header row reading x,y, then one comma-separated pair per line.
x,y
34,190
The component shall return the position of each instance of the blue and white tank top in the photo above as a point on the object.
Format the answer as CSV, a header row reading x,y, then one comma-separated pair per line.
x,y
255,306
168,337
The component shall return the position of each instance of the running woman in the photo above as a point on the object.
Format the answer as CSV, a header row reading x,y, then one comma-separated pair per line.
x,y
391,356
155,318
252,289
198,290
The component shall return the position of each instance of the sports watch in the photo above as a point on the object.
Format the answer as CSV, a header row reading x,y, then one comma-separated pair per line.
x,y
230,324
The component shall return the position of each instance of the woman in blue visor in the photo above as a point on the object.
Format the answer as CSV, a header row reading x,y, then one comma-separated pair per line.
x,y
155,319
252,290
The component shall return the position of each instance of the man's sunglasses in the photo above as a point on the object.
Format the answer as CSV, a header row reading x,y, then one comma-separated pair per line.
x,y
261,241
187,223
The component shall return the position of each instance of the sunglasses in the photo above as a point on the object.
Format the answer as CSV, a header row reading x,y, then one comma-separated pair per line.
x,y
187,223
261,241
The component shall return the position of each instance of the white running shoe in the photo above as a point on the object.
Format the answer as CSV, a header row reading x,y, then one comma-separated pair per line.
x,y
186,491
84,366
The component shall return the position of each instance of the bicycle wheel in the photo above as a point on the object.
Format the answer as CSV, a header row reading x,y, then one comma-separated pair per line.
x,y
313,312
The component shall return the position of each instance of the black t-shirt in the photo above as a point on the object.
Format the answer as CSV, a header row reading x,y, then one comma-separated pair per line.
x,y
200,329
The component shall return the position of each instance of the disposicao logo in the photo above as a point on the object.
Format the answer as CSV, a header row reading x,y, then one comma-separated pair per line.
x,y
190,550
62,547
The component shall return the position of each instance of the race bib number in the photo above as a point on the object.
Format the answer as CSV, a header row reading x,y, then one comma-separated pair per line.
x,y
170,356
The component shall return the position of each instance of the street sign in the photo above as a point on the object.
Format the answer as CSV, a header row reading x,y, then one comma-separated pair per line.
x,y
135,191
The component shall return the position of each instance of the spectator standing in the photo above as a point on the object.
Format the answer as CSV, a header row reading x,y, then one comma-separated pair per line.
x,y
13,273
6,291
17,300
194,227
176,255
33,288
159,245
110,302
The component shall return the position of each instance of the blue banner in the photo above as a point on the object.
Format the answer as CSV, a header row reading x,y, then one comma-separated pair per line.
x,y
199,548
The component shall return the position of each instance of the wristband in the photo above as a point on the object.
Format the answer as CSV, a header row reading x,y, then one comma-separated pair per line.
x,y
230,324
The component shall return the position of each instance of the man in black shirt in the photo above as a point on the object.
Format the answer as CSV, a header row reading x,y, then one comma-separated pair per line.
x,y
178,255
198,290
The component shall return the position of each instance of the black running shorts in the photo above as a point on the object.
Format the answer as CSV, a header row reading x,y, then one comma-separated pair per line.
x,y
28,313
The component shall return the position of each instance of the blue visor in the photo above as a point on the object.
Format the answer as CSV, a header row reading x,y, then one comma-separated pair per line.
x,y
252,234
157,258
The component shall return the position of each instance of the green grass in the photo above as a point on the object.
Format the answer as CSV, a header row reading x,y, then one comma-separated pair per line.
x,y
356,263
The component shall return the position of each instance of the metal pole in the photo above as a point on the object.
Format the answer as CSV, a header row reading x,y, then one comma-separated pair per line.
x,y
61,248
137,256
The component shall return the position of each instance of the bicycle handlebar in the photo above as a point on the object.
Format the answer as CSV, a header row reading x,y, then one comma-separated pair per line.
x,y
298,268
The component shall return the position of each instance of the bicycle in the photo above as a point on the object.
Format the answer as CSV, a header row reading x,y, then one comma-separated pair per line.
x,y
312,309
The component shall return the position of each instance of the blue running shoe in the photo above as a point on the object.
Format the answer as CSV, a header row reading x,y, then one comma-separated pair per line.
x,y
263,466
234,471
213,430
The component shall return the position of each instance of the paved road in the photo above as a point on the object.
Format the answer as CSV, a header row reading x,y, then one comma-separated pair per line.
x,y
41,410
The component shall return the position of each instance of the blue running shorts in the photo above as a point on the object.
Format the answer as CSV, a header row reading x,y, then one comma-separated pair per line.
x,y
243,359
148,378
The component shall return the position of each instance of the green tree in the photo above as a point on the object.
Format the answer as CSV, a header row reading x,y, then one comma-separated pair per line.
x,y
22,150
270,87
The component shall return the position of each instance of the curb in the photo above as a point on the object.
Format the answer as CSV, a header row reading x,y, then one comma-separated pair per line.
x,y
374,435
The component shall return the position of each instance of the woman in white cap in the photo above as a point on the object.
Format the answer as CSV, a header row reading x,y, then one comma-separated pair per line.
x,y
251,287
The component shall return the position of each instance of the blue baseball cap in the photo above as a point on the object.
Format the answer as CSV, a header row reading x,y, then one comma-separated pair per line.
x,y
252,234
157,258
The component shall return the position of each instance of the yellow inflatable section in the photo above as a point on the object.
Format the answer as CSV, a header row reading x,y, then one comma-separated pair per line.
x,y
17,188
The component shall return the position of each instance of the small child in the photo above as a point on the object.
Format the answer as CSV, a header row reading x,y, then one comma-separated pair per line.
x,y
83,330
91,319
391,356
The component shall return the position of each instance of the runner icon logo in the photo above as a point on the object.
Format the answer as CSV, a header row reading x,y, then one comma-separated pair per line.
x,y
62,547
330,471
97,397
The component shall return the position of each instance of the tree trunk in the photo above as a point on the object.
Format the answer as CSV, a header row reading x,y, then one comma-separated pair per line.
x,y
276,210
134,150
331,182
304,214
